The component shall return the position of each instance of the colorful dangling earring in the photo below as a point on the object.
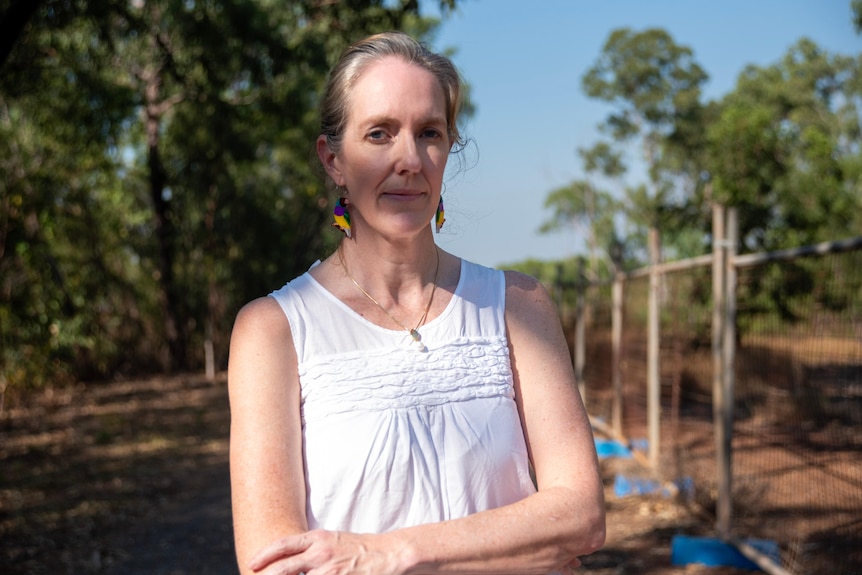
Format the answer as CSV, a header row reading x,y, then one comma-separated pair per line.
x,y
439,217
341,216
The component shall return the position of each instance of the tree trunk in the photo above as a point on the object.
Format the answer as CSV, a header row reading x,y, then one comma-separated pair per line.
x,y
164,227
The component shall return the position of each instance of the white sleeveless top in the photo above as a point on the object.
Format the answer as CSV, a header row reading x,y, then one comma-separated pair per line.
x,y
394,436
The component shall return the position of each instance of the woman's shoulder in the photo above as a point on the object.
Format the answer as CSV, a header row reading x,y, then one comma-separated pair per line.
x,y
260,336
519,283
260,314
526,294
520,280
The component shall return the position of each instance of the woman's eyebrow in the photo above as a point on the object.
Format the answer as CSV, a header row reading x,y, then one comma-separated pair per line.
x,y
386,120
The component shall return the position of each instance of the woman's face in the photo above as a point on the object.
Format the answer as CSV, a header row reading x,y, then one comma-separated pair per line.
x,y
394,148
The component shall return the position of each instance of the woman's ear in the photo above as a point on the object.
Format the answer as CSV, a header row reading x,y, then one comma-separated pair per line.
x,y
329,160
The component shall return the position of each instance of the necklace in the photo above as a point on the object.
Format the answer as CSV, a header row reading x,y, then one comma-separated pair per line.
x,y
414,333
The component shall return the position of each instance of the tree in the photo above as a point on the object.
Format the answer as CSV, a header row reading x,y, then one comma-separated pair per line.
x,y
654,85
583,205
62,219
856,9
783,149
155,168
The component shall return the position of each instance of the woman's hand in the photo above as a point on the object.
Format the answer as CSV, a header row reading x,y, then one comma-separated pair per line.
x,y
322,552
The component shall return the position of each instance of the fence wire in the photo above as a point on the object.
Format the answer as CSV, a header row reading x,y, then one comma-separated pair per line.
x,y
797,435
797,443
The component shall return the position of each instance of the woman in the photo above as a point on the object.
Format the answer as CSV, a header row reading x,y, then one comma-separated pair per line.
x,y
389,405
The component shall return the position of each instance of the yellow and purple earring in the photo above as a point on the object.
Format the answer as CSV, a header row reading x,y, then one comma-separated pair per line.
x,y
341,217
439,217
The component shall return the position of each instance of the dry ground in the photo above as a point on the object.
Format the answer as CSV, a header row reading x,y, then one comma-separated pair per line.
x,y
132,478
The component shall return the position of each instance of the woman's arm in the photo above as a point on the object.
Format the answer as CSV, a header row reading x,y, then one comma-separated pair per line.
x,y
539,534
267,478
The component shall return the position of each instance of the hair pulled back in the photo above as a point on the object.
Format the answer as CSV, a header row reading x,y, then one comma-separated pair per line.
x,y
358,56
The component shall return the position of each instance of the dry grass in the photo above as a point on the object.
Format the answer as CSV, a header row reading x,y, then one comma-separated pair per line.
x,y
79,467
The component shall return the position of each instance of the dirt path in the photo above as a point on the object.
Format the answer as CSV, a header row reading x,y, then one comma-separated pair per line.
x,y
131,478
191,536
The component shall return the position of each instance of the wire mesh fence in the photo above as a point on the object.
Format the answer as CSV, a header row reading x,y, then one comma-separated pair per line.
x,y
798,431
797,404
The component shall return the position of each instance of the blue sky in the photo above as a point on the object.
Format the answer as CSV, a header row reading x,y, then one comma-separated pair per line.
x,y
524,61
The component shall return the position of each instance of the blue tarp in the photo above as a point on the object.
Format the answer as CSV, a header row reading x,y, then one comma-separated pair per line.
x,y
716,553
610,448
624,485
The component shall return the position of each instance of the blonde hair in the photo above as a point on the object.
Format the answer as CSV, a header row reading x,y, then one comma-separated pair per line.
x,y
356,58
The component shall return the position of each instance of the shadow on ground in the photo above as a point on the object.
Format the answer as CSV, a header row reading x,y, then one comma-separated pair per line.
x,y
127,477
131,478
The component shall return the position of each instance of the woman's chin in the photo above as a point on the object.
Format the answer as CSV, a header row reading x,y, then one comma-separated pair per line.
x,y
406,229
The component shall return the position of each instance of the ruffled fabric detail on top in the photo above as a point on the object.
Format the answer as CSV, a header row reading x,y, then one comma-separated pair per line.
x,y
460,370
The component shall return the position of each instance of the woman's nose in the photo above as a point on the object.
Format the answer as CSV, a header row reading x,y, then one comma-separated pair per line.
x,y
407,156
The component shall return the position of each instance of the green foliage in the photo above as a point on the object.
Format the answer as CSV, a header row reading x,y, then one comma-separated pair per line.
x,y
585,206
856,9
649,77
783,148
156,172
550,273
62,212
654,85
593,209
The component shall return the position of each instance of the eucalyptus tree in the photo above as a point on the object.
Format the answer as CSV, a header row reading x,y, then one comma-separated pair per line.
x,y
586,206
654,86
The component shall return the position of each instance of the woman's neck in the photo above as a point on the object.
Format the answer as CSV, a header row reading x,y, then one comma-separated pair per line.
x,y
388,269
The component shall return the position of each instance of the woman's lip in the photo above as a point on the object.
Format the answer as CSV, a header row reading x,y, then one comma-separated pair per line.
x,y
403,195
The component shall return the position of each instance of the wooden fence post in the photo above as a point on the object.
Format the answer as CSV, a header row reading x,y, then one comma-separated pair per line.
x,y
617,342
580,344
728,349
209,351
719,285
653,359
559,290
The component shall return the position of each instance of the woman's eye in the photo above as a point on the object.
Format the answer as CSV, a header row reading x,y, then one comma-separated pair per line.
x,y
431,133
376,135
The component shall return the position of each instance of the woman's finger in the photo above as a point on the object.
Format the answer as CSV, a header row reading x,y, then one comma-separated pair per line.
x,y
284,547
